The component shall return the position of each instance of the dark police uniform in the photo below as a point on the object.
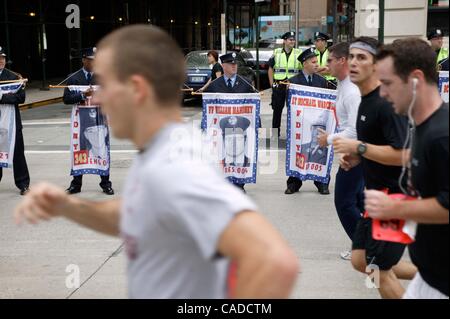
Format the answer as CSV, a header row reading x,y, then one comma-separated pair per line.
x,y
20,168
220,85
73,97
294,184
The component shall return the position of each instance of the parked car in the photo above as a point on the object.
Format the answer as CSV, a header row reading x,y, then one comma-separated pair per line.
x,y
198,71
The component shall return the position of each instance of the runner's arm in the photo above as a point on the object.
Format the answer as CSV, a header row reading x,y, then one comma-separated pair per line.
x,y
383,154
267,267
424,211
45,201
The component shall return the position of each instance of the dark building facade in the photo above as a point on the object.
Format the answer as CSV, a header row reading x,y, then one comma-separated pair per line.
x,y
38,42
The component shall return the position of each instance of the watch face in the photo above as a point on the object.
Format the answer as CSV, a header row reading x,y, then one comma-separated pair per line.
x,y
362,148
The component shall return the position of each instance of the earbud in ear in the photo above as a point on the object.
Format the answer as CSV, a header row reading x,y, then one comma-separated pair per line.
x,y
415,81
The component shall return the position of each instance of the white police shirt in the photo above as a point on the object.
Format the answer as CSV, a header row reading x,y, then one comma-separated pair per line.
x,y
173,213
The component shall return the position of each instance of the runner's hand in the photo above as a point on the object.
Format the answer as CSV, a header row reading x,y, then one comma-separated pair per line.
x,y
345,145
348,161
43,202
379,205
89,92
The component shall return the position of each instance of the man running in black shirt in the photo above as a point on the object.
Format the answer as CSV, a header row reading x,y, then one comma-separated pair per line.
x,y
408,76
380,139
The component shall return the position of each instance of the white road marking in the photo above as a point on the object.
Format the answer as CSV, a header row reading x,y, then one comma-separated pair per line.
x,y
25,123
67,152
32,123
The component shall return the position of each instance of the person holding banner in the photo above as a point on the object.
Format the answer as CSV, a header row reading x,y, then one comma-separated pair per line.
x,y
408,79
283,65
349,186
188,233
85,77
233,128
321,44
381,136
216,70
308,77
12,100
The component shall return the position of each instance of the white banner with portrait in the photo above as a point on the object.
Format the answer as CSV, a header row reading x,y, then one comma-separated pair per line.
x,y
230,124
89,143
443,85
8,126
309,109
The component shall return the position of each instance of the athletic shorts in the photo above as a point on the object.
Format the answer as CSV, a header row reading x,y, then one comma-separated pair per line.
x,y
383,254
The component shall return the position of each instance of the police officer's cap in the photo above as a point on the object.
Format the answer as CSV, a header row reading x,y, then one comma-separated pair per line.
x,y
2,52
237,124
321,36
435,33
88,53
288,35
229,58
307,54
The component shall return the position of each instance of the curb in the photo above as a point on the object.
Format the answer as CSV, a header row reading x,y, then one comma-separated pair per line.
x,y
32,105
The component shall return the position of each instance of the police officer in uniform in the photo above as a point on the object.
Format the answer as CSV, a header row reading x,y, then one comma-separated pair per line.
x,y
230,82
283,65
84,76
436,38
321,43
20,168
308,77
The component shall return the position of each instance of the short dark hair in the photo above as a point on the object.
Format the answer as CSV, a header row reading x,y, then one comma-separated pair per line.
x,y
373,43
214,54
411,54
150,52
340,50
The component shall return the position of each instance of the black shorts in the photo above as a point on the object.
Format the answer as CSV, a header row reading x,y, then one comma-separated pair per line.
x,y
384,254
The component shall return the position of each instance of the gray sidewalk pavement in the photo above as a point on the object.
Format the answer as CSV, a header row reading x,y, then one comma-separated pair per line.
x,y
34,95
34,260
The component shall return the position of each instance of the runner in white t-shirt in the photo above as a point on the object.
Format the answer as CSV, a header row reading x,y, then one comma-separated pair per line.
x,y
186,229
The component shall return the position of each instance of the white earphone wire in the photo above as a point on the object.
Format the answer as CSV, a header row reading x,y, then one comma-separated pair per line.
x,y
409,140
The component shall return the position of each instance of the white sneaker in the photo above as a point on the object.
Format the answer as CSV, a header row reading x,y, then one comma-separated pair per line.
x,y
346,255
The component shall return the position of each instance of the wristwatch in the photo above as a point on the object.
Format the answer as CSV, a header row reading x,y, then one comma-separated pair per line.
x,y
362,148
